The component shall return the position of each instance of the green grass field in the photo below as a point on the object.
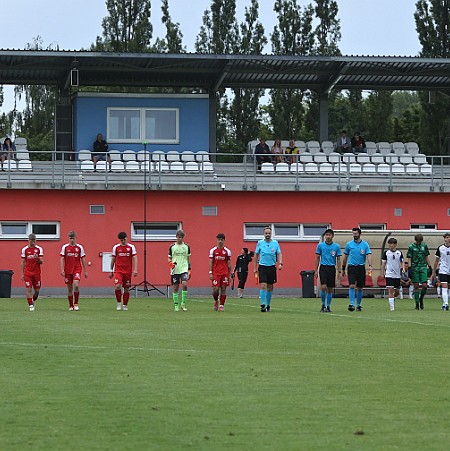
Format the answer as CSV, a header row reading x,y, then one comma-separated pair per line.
x,y
291,379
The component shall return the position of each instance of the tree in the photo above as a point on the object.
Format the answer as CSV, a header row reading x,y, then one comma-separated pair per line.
x,y
173,42
127,28
292,36
36,122
379,110
433,29
245,114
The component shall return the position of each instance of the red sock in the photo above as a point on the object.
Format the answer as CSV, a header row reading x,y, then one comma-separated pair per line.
x,y
76,295
30,301
70,301
118,295
222,299
126,296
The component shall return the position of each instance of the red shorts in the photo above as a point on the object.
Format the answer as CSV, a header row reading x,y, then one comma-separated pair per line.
x,y
122,279
69,278
33,281
220,281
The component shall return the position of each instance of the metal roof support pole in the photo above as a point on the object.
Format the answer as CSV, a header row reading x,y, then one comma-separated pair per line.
x,y
212,125
323,117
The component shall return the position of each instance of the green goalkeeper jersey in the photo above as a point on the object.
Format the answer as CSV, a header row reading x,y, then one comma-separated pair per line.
x,y
180,253
418,254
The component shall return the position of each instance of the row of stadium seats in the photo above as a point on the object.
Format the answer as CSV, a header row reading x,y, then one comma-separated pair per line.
x,y
362,158
149,166
351,168
145,155
327,147
13,165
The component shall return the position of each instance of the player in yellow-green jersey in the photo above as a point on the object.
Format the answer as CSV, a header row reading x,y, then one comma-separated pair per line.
x,y
180,268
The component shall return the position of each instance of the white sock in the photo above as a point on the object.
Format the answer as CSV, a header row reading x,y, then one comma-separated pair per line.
x,y
391,303
401,292
438,291
411,290
445,296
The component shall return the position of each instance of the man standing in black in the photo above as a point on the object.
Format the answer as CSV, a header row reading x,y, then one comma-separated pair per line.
x,y
262,153
100,150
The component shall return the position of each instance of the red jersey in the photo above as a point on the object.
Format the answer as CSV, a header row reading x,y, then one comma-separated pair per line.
x,y
124,258
31,256
220,258
72,258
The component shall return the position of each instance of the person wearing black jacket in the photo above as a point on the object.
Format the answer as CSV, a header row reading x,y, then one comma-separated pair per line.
x,y
241,268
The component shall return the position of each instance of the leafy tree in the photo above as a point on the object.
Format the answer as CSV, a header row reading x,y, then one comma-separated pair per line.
x,y
244,112
379,110
36,122
433,29
291,36
173,42
127,28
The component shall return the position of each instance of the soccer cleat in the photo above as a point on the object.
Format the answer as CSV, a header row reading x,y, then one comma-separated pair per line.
x,y
359,308
177,308
328,310
76,308
421,304
119,306
417,306
31,306
71,309
268,308
221,308
263,308
125,308
351,308
391,308
323,309
183,307
216,306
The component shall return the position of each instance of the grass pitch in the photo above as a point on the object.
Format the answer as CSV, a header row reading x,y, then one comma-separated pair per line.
x,y
291,379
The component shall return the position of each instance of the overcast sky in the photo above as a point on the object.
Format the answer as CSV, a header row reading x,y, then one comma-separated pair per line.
x,y
369,27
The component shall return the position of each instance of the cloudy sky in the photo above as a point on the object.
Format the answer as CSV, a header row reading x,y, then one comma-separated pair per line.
x,y
369,27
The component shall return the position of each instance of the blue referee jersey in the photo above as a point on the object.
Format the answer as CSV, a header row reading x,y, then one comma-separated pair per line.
x,y
267,252
328,253
357,252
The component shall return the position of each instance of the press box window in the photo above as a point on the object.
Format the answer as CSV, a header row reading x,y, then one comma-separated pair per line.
x,y
154,232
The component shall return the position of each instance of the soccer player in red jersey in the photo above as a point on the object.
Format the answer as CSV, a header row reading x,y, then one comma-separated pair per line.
x,y
220,271
72,259
30,269
123,265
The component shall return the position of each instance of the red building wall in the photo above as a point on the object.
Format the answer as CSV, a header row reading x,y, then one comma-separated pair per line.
x,y
98,233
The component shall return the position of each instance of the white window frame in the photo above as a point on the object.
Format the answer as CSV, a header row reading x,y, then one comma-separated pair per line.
x,y
428,226
142,116
152,236
29,229
372,226
301,236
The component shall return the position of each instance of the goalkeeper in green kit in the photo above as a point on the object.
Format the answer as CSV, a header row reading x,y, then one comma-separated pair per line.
x,y
418,257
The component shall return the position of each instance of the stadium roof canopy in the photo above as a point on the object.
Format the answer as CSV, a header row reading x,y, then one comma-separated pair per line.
x,y
213,72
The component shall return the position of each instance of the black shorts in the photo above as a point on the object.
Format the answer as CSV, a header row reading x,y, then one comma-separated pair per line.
x,y
327,276
444,278
176,279
357,275
392,283
242,277
267,274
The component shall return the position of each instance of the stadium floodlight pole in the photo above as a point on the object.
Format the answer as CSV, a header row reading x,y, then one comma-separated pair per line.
x,y
146,286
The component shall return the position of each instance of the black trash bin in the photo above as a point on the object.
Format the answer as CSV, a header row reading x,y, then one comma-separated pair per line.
x,y
5,283
308,283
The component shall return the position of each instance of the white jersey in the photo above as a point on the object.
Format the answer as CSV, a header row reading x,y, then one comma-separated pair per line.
x,y
393,261
443,253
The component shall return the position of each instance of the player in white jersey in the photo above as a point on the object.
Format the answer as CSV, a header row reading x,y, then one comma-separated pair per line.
x,y
392,266
443,262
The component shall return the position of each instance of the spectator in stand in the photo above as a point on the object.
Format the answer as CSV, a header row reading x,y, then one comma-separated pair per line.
x,y
358,143
277,152
8,150
343,143
405,281
100,147
262,153
290,151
